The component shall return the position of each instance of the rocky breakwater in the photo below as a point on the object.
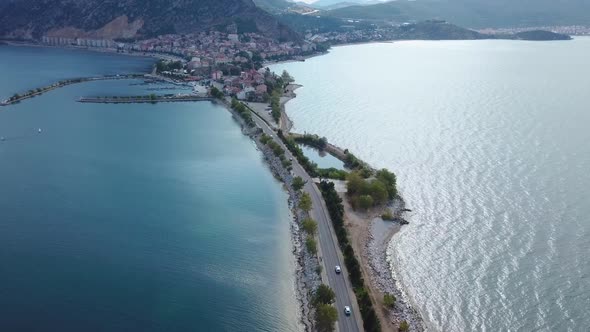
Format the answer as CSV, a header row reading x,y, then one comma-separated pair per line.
x,y
307,274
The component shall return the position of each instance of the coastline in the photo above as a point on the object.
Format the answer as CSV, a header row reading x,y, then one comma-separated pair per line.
x,y
306,277
92,49
372,242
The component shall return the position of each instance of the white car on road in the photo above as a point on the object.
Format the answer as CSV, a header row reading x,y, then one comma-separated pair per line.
x,y
347,310
338,269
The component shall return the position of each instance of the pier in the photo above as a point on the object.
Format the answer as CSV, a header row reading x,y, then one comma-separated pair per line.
x,y
16,98
153,99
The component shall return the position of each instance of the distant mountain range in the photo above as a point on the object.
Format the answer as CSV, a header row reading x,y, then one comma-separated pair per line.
x,y
273,6
475,13
332,4
111,19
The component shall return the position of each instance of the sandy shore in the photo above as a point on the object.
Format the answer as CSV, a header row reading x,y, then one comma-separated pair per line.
x,y
286,124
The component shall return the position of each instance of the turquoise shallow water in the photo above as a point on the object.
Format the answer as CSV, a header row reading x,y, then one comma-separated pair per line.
x,y
490,143
133,217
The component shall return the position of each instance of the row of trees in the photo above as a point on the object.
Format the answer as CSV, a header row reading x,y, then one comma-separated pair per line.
x,y
37,91
336,210
163,65
325,313
275,105
315,141
352,162
323,298
244,112
277,150
216,93
364,194
276,84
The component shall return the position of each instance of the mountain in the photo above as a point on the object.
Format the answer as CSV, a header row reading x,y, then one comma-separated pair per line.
x,y
475,13
437,30
334,4
112,19
273,6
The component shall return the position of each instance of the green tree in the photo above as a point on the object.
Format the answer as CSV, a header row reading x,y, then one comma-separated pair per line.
x,y
325,317
216,93
311,245
355,183
309,225
287,78
234,102
264,138
389,300
404,326
378,192
389,179
365,202
298,183
305,202
324,295
153,97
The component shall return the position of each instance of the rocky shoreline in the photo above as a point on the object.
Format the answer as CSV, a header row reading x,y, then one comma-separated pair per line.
x,y
375,245
307,278
374,248
378,238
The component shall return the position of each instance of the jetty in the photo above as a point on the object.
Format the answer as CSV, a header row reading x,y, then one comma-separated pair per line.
x,y
18,97
144,99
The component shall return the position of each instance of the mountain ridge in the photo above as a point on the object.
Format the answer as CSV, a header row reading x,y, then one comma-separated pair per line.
x,y
20,19
475,13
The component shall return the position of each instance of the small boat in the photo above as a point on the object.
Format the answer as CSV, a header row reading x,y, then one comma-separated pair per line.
x,y
39,131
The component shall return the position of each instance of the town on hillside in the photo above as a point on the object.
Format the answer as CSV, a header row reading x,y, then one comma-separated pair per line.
x,y
231,62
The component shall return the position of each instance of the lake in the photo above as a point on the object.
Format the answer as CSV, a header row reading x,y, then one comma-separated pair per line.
x,y
133,217
490,143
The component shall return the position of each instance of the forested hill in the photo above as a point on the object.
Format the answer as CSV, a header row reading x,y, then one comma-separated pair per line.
x,y
476,13
31,19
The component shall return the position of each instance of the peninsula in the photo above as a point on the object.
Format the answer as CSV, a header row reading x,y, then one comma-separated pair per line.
x,y
343,219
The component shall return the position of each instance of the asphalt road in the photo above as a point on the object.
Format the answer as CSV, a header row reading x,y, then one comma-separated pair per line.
x,y
330,252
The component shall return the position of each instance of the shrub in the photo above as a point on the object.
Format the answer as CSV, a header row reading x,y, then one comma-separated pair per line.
x,y
311,245
387,215
389,300
404,326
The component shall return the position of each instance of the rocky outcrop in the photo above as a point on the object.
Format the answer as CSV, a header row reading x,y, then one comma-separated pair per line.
x,y
32,19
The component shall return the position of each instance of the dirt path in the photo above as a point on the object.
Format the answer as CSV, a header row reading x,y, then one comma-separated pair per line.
x,y
358,225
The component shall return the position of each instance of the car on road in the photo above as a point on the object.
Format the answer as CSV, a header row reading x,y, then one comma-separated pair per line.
x,y
338,269
347,310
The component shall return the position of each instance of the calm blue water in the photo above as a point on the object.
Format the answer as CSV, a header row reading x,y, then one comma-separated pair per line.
x,y
491,146
133,217
322,158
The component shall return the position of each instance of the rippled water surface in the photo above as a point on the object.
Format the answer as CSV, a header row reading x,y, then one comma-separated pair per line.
x,y
491,146
133,217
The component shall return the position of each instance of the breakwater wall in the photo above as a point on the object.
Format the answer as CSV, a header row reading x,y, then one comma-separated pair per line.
x,y
18,97
143,99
